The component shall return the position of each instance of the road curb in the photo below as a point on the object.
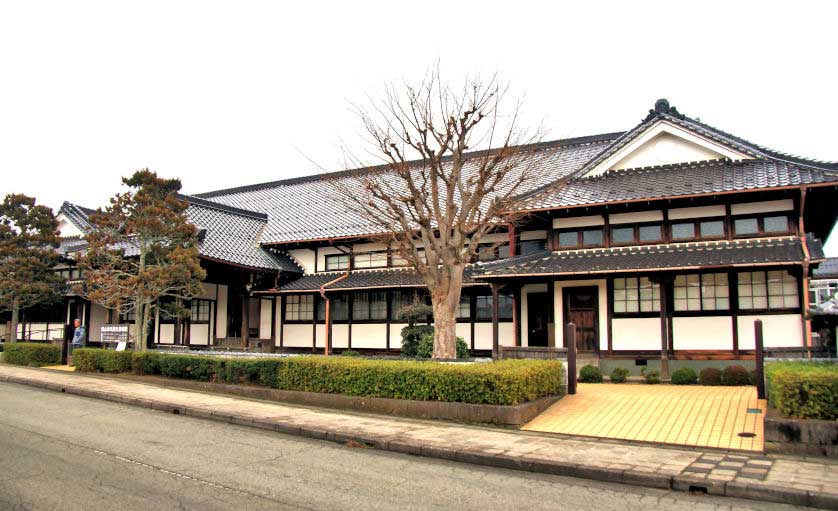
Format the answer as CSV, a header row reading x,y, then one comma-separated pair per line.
x,y
751,491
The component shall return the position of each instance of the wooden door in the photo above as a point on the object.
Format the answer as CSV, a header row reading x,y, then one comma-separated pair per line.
x,y
581,308
537,315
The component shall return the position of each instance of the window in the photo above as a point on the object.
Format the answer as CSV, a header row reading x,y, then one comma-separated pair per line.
x,y
369,306
483,310
706,291
698,229
766,224
533,246
370,260
633,294
761,290
397,260
580,238
339,305
822,291
337,262
464,310
299,307
627,234
199,311
129,317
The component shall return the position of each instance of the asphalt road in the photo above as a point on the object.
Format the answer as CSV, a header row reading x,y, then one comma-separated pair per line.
x,y
59,451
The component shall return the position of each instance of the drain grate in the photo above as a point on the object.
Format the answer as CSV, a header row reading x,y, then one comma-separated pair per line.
x,y
754,410
747,434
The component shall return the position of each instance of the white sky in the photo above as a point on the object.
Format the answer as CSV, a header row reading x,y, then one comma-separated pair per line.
x,y
231,93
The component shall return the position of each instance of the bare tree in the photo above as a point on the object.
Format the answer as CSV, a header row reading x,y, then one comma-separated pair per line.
x,y
432,200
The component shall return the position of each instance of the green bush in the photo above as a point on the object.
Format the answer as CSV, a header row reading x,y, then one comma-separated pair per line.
x,y
684,376
504,382
590,374
102,361
805,390
349,353
411,335
651,377
619,375
426,347
710,376
35,354
735,375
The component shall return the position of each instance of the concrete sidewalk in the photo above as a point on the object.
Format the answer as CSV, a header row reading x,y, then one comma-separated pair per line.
x,y
788,480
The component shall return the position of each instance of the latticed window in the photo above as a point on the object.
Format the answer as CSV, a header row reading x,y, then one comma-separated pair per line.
x,y
199,311
299,307
368,306
763,290
706,291
337,262
636,294
371,260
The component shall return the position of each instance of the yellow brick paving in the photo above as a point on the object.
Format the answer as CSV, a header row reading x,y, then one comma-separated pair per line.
x,y
665,414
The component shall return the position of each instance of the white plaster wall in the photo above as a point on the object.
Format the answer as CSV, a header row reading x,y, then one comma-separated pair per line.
x,y
636,334
602,299
639,216
208,291
665,148
167,333
304,257
66,228
483,335
198,334
265,308
297,336
368,247
320,334
98,317
702,333
369,335
396,335
749,208
578,221
778,331
221,313
322,252
464,330
525,325
340,335
696,212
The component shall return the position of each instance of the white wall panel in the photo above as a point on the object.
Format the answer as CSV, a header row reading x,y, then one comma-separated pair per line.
x,y
297,335
696,212
778,331
702,333
265,308
578,221
304,257
198,334
637,217
221,314
396,335
636,334
749,208
369,335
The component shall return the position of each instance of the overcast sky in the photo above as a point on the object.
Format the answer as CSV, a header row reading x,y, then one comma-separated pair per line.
x,y
225,94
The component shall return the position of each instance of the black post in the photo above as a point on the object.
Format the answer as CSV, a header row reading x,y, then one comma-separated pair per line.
x,y
760,359
570,340
495,334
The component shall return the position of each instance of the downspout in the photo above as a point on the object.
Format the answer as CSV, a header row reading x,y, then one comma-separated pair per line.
x,y
328,310
807,323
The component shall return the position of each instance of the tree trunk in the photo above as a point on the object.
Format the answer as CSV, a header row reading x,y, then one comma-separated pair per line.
x,y
445,301
141,327
15,320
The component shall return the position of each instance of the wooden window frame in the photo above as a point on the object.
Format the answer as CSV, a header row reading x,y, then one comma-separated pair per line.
x,y
636,234
332,257
356,255
760,218
200,301
697,229
579,237
770,310
640,313
702,311
288,302
369,307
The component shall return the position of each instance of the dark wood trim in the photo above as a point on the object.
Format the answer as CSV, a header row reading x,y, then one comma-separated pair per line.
x,y
516,315
636,234
317,299
609,311
551,313
580,237
697,229
733,297
282,320
273,320
316,257
471,316
760,218
729,227
389,315
350,304
495,330
606,230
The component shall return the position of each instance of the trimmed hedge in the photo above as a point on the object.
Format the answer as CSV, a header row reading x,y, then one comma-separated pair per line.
x,y
684,376
710,376
805,390
735,375
590,374
32,354
505,382
619,375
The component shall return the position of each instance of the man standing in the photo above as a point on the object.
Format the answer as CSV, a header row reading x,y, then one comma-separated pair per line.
x,y
79,336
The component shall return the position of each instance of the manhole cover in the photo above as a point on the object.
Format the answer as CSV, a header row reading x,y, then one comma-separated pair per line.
x,y
746,434
754,410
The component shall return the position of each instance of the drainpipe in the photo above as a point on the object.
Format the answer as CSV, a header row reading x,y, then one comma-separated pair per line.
x,y
328,310
807,323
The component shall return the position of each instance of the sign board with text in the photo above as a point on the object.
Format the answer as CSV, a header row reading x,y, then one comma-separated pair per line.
x,y
114,333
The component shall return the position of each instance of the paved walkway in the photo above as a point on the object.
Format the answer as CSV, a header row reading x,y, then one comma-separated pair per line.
x,y
793,481
686,415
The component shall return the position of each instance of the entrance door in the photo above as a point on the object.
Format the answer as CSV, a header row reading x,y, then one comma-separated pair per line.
x,y
537,311
580,308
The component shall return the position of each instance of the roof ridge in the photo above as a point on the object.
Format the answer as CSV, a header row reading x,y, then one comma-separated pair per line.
x,y
538,146
223,207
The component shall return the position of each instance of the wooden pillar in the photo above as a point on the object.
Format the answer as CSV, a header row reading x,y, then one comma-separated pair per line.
x,y
516,315
328,343
570,340
760,359
495,333
664,330
245,332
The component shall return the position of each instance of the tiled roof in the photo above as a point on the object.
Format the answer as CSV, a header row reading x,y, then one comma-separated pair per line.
x,y
828,269
696,255
367,279
305,209
681,179
77,215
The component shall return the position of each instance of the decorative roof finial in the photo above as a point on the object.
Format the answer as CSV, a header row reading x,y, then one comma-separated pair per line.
x,y
662,106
